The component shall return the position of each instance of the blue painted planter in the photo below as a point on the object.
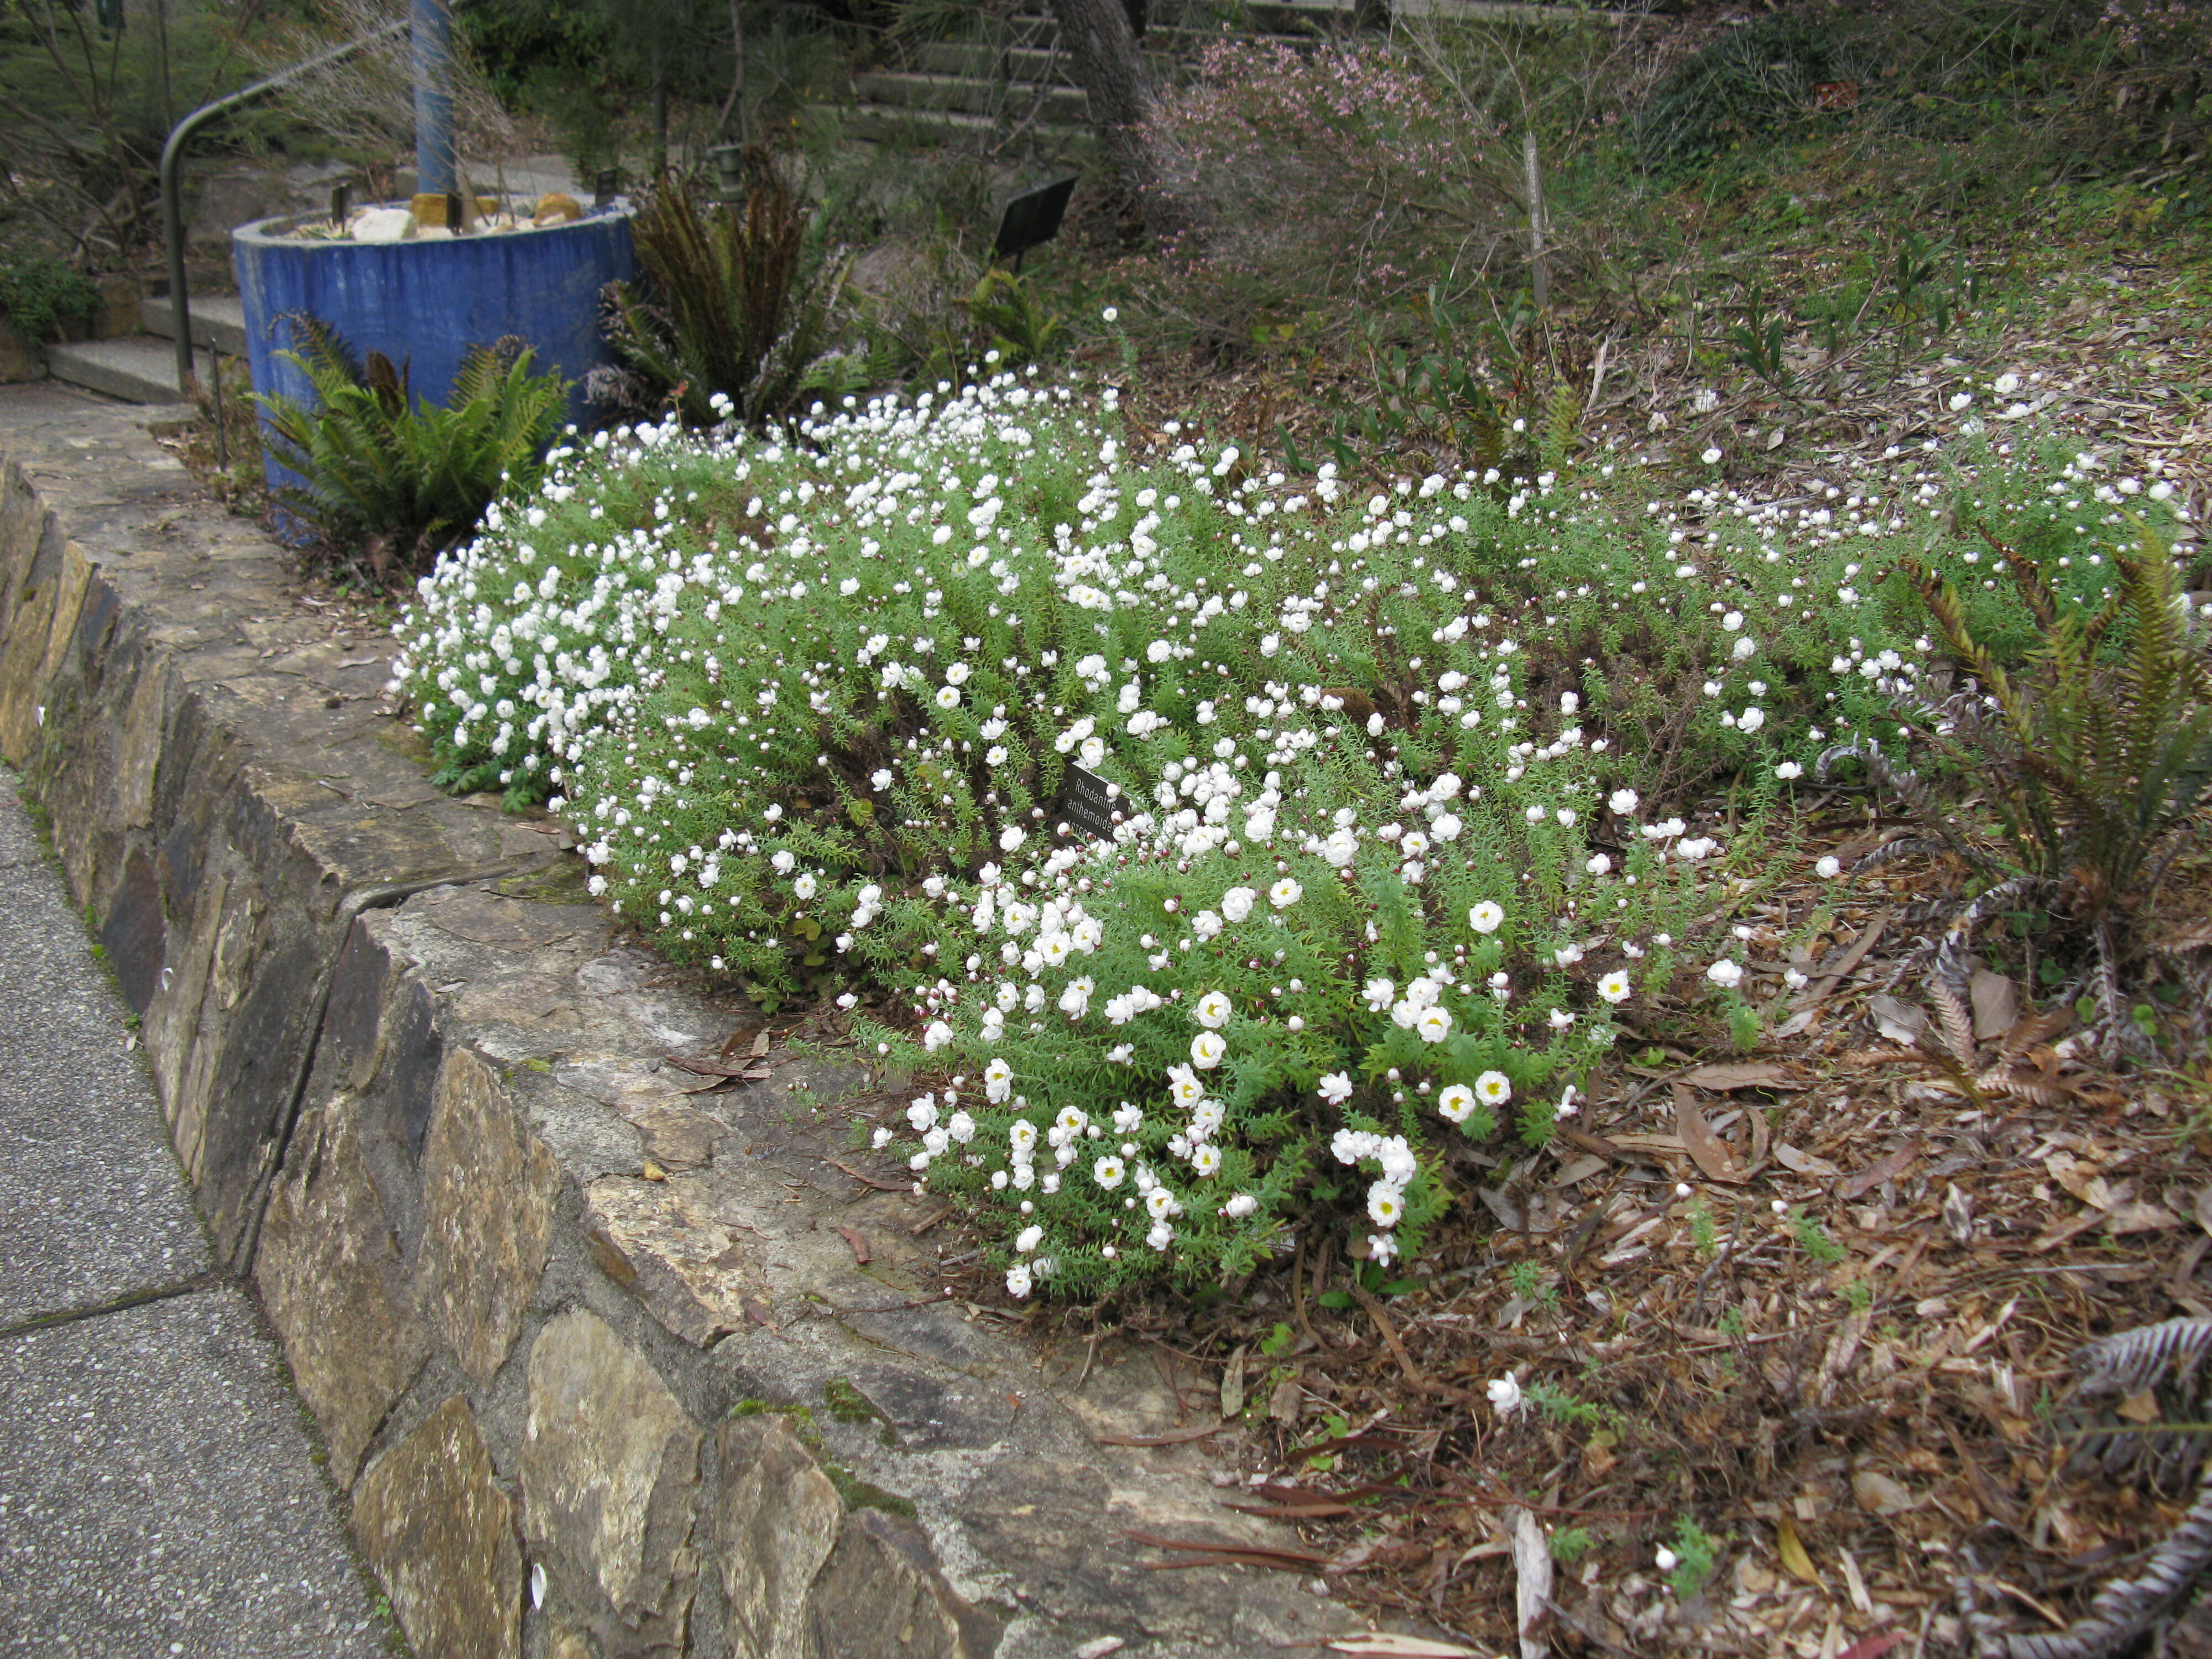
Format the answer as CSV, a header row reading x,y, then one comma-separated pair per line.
x,y
425,303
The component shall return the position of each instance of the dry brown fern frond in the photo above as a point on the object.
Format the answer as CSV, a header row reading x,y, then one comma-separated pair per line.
x,y
2138,1404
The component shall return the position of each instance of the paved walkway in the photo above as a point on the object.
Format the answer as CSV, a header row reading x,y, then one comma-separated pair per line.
x,y
159,1492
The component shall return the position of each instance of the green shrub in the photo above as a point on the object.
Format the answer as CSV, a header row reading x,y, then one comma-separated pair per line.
x,y
409,477
2096,755
736,319
36,289
1754,84
1390,767
2091,750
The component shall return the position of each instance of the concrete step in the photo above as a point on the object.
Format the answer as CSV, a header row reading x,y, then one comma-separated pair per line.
x,y
139,368
218,319
888,88
885,124
1302,18
1032,64
1503,11
983,62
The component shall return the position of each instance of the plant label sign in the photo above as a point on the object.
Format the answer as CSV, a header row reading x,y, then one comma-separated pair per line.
x,y
1086,803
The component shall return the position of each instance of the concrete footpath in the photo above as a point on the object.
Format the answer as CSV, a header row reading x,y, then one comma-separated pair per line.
x,y
159,1494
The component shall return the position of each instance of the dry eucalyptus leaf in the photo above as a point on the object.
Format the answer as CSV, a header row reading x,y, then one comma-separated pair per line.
x,y
1896,1019
1710,1151
2140,1406
1232,1385
1791,1548
1996,1004
1890,1165
1877,1494
1804,1164
2141,1219
1531,1571
1744,1074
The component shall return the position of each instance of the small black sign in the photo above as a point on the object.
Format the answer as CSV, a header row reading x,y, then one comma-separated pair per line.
x,y
1034,216
1086,806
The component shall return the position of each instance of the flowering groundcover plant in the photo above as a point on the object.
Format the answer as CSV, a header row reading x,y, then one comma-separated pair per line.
x,y
1386,764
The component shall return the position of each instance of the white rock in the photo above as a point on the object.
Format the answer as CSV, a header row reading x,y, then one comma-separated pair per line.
x,y
394,224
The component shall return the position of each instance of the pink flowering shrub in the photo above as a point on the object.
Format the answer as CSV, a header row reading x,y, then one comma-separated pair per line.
x,y
1345,171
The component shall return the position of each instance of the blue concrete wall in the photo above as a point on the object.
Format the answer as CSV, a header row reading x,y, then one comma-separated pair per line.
x,y
425,303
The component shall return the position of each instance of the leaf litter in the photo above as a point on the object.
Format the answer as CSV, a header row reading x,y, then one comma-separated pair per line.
x,y
1822,1302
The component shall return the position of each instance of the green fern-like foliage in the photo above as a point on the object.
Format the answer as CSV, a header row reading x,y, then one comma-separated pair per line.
x,y
394,472
738,305
2096,752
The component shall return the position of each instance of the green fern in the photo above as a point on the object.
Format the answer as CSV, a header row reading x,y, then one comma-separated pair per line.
x,y
2094,756
739,306
1007,309
399,474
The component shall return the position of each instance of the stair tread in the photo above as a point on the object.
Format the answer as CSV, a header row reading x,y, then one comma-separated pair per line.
x,y
139,368
218,319
876,120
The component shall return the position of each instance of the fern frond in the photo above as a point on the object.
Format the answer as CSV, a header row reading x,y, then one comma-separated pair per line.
x,y
2168,1359
2124,1610
321,351
1947,989
1891,851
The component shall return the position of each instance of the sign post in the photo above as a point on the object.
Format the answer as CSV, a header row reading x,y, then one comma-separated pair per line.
x,y
1032,219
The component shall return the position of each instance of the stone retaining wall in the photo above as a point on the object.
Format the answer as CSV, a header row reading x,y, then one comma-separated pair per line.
x,y
592,1352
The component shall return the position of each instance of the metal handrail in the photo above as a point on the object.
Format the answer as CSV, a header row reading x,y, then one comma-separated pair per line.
x,y
172,209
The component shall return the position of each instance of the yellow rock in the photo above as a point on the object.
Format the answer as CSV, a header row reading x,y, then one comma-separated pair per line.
x,y
557,207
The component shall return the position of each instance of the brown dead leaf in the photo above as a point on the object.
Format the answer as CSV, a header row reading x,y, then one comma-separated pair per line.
x,y
1707,1150
1890,1165
1232,1384
2060,1231
1170,1438
1874,1647
1792,1549
2141,1219
1878,1494
854,1237
1898,1019
2141,1407
869,1180
1804,1164
1996,1004
1746,1074
1532,1572
1648,1143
